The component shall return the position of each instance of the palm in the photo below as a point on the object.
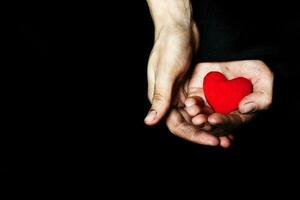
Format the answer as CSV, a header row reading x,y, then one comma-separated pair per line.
x,y
216,124
180,123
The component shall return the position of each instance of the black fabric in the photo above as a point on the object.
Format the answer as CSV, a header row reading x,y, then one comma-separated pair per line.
x,y
78,89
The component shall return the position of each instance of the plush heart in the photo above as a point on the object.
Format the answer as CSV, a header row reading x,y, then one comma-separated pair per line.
x,y
225,95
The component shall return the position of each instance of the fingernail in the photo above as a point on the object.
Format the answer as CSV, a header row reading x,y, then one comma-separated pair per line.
x,y
150,116
248,108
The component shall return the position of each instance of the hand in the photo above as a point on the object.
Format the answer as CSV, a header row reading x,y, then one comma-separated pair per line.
x,y
196,121
176,40
168,63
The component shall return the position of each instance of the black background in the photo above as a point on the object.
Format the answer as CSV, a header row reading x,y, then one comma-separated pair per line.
x,y
76,92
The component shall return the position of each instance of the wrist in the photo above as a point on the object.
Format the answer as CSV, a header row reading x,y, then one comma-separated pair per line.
x,y
190,33
171,23
176,13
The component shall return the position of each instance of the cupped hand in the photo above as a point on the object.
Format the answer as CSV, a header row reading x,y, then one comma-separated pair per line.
x,y
192,118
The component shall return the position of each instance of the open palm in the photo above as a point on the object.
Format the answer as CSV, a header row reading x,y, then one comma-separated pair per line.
x,y
191,117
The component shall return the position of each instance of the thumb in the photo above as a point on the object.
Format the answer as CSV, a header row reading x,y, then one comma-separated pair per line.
x,y
161,100
255,101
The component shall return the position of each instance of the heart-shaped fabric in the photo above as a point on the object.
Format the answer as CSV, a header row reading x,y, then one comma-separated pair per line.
x,y
225,95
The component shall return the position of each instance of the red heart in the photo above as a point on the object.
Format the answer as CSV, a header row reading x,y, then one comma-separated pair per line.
x,y
225,95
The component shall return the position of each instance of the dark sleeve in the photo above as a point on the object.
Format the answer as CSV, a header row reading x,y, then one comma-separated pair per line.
x,y
232,30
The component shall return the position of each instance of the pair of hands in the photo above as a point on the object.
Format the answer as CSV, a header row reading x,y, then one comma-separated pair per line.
x,y
179,96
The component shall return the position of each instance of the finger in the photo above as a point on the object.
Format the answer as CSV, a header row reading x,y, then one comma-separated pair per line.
x,y
178,126
262,81
226,122
195,97
195,100
255,101
225,142
207,127
199,120
231,137
193,110
161,99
